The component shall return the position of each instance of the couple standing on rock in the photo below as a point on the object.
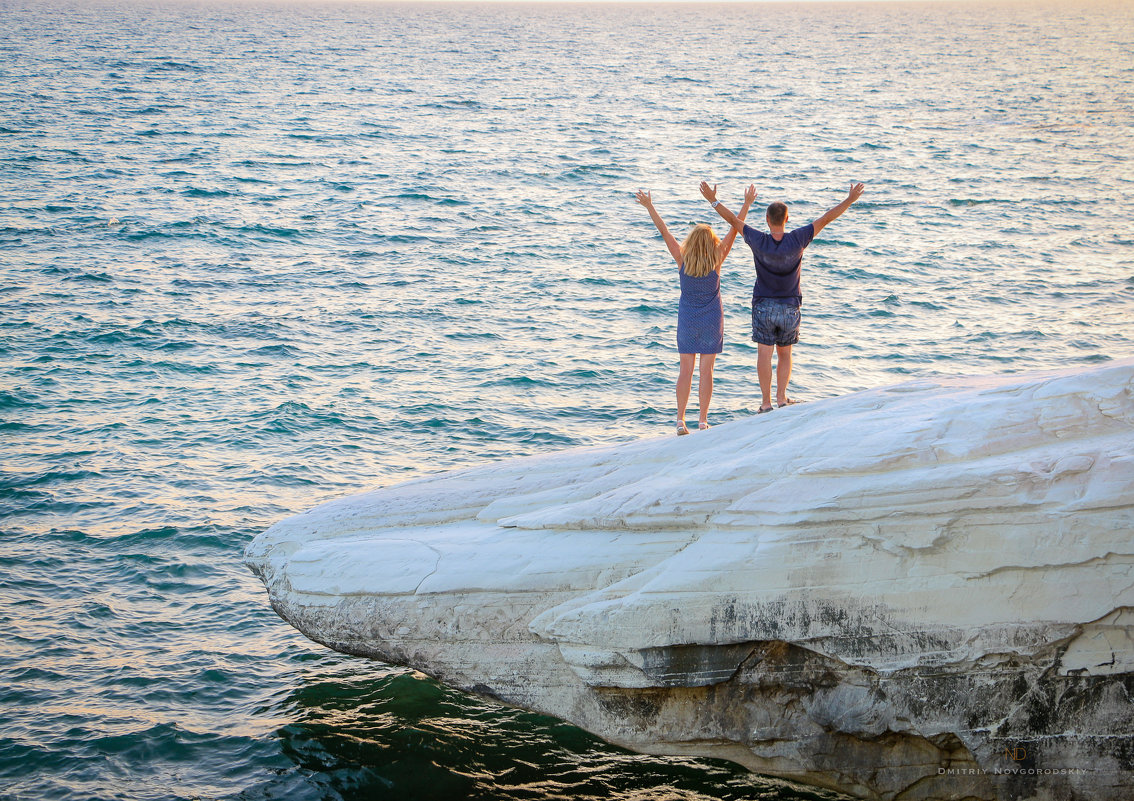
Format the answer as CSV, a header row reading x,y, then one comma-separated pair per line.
x,y
776,296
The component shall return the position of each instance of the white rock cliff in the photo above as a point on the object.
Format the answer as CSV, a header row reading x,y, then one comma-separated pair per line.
x,y
923,591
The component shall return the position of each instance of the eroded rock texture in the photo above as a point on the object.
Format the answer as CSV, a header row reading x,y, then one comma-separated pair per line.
x,y
918,592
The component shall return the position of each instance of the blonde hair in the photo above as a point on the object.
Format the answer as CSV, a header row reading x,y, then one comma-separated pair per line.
x,y
699,251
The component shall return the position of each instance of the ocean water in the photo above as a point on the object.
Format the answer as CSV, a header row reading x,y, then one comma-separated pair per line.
x,y
255,256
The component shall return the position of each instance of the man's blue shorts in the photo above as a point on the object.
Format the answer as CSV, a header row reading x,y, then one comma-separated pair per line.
x,y
775,323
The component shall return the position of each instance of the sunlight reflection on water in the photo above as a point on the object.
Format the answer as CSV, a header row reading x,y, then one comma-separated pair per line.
x,y
257,257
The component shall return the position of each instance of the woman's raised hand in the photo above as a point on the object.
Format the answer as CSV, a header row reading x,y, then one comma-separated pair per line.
x,y
750,194
644,198
709,192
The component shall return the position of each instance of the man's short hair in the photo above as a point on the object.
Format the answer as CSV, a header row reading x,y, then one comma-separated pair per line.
x,y
777,213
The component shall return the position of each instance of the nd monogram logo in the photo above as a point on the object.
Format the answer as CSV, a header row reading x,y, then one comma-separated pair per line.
x,y
1016,754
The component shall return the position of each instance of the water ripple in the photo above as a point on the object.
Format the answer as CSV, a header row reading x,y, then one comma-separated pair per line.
x,y
262,256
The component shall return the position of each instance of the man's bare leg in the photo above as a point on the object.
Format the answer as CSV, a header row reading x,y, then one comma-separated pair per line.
x,y
783,373
764,371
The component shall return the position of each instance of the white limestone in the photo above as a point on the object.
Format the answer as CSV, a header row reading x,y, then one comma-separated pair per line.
x,y
875,592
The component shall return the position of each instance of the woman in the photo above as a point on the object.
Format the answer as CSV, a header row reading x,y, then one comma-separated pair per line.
x,y
700,315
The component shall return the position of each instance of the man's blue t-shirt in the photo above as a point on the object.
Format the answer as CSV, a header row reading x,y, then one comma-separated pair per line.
x,y
778,263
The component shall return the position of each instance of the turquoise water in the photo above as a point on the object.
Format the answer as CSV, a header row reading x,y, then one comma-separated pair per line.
x,y
258,256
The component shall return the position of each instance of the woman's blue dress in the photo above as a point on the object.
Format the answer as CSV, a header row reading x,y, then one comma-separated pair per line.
x,y
700,315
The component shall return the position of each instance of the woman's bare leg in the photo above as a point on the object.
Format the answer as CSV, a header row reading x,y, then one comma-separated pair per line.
x,y
705,388
684,384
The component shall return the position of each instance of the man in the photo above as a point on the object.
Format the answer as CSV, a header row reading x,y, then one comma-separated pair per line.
x,y
776,296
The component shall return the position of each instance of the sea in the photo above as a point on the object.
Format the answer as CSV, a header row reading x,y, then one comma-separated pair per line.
x,y
257,255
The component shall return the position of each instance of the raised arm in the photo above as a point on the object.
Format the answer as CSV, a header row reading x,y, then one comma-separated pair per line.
x,y
710,194
833,213
671,243
726,244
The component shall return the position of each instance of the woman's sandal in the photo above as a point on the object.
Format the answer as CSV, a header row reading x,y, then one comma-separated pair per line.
x,y
702,425
682,429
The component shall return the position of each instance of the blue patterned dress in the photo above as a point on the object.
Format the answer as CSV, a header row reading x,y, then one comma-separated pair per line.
x,y
700,315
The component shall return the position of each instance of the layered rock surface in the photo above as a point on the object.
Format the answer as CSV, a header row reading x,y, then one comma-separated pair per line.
x,y
923,591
